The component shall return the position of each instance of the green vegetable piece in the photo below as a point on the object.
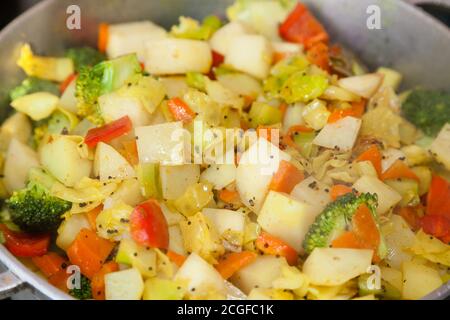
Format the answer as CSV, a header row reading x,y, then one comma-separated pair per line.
x,y
189,28
336,218
428,110
304,141
196,80
386,291
34,210
84,57
303,88
148,176
264,114
85,290
32,85
162,289
104,77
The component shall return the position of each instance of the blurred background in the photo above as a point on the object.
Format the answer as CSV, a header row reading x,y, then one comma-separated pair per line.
x,y
9,9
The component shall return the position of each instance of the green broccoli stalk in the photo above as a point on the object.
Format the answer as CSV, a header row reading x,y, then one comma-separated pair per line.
x,y
428,110
33,209
31,85
85,290
104,77
336,218
84,57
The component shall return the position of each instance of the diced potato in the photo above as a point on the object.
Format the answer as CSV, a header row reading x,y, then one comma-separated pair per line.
x,y
176,179
365,85
251,54
177,56
140,257
60,155
259,162
440,148
332,266
110,164
200,278
124,285
222,38
287,48
19,160
16,126
269,294
241,84
398,237
37,105
390,156
114,106
419,280
229,224
340,135
68,100
131,37
259,274
164,143
416,155
286,218
175,86
387,197
393,277
162,289
312,192
69,229
219,175
315,114
176,240
293,116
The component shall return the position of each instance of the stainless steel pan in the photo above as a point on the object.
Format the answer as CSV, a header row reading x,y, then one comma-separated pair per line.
x,y
409,40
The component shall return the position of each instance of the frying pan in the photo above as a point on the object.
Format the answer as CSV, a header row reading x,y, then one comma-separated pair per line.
x,y
409,40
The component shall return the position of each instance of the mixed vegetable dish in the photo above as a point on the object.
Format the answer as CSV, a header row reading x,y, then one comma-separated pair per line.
x,y
355,205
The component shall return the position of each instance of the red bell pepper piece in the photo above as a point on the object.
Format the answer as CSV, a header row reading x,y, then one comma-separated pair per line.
x,y
149,226
108,132
25,245
435,225
302,27
217,59
438,198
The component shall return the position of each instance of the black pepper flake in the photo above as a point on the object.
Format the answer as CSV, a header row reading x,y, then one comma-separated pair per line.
x,y
189,223
82,204
137,138
135,254
312,185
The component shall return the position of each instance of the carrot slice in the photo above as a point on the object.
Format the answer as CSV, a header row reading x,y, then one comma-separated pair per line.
x,y
357,110
103,35
233,262
92,216
286,177
130,152
176,258
410,216
98,280
373,155
180,110
318,54
63,86
339,190
272,245
229,196
399,170
59,280
346,240
50,263
89,252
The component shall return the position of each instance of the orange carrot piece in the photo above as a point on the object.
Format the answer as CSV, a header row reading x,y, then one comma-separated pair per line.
x,y
50,263
176,258
59,280
92,216
346,240
365,227
103,35
89,252
438,197
373,155
286,177
233,262
98,280
410,216
63,86
339,190
318,54
399,170
287,138
229,196
130,152
180,110
357,111
358,108
269,244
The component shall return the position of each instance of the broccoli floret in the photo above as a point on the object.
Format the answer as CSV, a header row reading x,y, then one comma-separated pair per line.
x,y
85,290
34,210
104,77
336,218
32,85
84,57
428,110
